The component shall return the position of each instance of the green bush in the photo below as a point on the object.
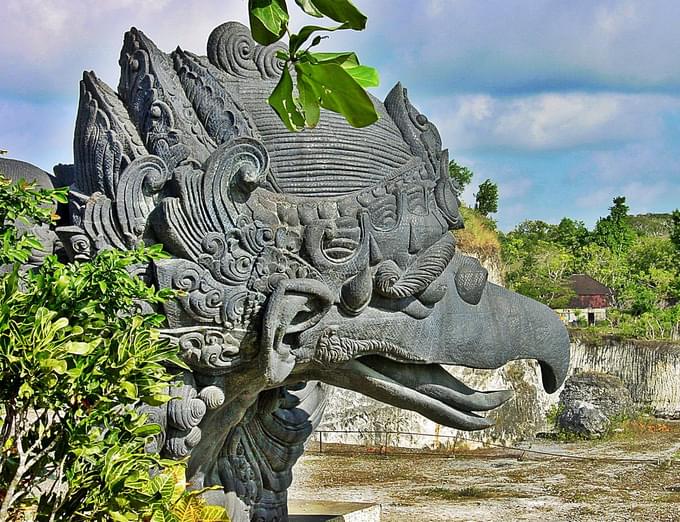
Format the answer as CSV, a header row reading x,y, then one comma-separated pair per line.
x,y
77,358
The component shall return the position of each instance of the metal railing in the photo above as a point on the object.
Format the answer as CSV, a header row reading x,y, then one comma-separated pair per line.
x,y
451,450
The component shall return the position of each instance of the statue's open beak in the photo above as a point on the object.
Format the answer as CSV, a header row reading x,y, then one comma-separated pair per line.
x,y
501,327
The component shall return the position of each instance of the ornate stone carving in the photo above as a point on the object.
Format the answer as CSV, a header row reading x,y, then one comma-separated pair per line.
x,y
320,256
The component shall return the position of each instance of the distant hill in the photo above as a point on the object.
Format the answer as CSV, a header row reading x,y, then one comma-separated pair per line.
x,y
652,224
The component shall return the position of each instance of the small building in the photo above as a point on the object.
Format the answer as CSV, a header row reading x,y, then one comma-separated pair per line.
x,y
590,302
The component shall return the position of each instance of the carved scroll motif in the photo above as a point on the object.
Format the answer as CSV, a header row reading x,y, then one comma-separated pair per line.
x,y
152,91
121,222
232,49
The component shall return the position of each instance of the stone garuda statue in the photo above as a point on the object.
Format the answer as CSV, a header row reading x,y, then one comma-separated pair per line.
x,y
324,256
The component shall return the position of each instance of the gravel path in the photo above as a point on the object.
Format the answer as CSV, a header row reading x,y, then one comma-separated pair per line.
x,y
501,485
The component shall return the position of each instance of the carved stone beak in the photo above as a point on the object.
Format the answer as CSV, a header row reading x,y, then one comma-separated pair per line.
x,y
403,368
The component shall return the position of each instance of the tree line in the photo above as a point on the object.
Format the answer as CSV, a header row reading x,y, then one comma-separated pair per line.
x,y
641,269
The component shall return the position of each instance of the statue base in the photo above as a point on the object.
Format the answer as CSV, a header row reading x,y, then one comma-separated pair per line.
x,y
329,511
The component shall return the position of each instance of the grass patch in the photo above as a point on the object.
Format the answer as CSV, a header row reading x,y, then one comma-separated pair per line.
x,y
479,237
469,493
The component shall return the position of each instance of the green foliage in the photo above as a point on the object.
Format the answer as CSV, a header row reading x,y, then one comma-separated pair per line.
x,y
76,361
479,237
642,270
675,229
334,81
571,234
656,224
21,204
553,414
486,199
461,176
614,231
538,269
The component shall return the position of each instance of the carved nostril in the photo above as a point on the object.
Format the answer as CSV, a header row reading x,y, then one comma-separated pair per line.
x,y
432,294
471,278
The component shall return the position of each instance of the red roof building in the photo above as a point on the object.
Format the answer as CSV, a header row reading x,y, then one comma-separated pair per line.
x,y
590,302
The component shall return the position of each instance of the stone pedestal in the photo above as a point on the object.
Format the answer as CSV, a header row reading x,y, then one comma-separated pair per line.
x,y
328,511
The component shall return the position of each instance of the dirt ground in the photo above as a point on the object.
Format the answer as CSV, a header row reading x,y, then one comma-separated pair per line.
x,y
502,485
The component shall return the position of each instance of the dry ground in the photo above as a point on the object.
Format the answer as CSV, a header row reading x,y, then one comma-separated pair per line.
x,y
501,485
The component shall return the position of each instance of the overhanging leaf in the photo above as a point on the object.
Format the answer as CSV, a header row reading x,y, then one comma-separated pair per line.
x,y
338,92
284,104
308,7
364,75
303,35
341,11
310,102
268,20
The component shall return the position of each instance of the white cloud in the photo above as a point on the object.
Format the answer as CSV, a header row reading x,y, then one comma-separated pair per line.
x,y
549,121
648,174
48,43
614,19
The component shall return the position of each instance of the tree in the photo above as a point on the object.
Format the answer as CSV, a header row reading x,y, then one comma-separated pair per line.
x,y
533,230
486,199
614,231
460,175
334,81
543,275
675,229
571,234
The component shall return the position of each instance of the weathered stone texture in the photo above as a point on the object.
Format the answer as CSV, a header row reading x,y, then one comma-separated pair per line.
x,y
591,402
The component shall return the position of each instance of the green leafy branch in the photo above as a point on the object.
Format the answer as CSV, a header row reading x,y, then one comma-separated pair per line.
x,y
22,204
334,81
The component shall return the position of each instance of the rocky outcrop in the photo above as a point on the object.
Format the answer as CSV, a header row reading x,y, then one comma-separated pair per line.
x,y
591,403
649,370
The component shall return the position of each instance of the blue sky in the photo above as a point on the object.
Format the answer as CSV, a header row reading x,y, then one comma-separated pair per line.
x,y
564,104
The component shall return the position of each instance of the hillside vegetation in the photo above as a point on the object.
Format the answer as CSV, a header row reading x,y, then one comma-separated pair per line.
x,y
659,225
637,257
479,237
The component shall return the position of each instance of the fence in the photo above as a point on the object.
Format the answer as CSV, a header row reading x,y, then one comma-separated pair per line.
x,y
317,443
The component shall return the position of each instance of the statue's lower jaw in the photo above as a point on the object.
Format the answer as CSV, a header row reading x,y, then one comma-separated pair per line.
x,y
427,389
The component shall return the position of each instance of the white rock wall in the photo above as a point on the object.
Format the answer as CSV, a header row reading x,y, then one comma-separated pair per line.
x,y
650,370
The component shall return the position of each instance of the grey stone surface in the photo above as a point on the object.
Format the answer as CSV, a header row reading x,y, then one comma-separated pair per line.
x,y
590,401
327,511
319,257
16,169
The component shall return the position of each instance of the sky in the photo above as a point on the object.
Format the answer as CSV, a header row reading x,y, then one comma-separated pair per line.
x,y
564,104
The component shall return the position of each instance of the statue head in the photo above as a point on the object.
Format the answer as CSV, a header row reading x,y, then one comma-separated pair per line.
x,y
320,256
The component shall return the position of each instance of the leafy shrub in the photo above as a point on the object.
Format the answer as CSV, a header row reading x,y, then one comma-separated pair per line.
x,y
77,358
